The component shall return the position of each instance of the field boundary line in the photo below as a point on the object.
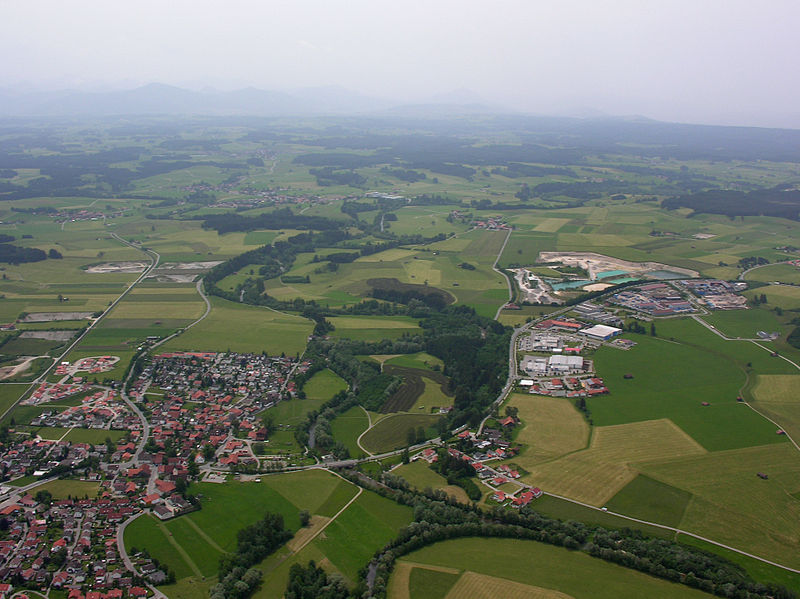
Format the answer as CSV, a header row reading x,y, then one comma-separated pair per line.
x,y
184,555
675,530
205,536
336,515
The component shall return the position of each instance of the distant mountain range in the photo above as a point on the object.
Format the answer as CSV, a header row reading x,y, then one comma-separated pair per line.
x,y
160,99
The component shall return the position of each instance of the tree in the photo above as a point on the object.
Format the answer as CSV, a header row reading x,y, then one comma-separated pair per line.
x,y
406,457
652,329
421,436
54,254
44,497
305,518
411,437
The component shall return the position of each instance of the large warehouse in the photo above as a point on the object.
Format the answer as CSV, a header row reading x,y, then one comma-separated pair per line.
x,y
601,331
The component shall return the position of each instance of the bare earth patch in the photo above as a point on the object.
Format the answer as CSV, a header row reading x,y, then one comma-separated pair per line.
x,y
54,316
117,267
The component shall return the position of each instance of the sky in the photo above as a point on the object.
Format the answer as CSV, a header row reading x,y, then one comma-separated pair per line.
x,y
704,61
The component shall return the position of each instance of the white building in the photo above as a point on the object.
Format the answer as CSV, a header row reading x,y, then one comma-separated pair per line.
x,y
565,364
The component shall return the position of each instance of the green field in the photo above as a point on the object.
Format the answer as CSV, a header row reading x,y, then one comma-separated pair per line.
x,y
64,488
324,385
192,544
392,432
240,328
419,360
651,500
671,380
345,546
533,564
347,427
363,328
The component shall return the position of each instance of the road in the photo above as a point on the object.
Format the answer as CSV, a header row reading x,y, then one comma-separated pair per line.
x,y
508,280
744,272
127,560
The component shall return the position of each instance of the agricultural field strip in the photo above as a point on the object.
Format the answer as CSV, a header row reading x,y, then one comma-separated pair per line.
x,y
155,257
675,530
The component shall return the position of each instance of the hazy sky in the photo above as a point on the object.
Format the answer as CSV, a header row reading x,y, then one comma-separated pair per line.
x,y
720,61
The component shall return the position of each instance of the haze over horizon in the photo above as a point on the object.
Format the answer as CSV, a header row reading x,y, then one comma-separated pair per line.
x,y
712,62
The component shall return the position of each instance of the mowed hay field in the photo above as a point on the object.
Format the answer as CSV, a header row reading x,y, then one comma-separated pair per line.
x,y
551,427
596,474
778,397
732,505
547,571
246,329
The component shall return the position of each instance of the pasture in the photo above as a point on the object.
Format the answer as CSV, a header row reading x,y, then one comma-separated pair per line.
x,y
745,323
421,360
778,397
392,432
672,379
65,488
548,572
239,328
651,500
783,273
370,328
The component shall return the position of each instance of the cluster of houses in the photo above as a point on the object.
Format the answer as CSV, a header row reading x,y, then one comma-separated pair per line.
x,y
92,365
205,397
99,410
654,299
63,216
488,448
492,223
249,375
68,545
598,332
23,456
571,387
716,294
46,392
